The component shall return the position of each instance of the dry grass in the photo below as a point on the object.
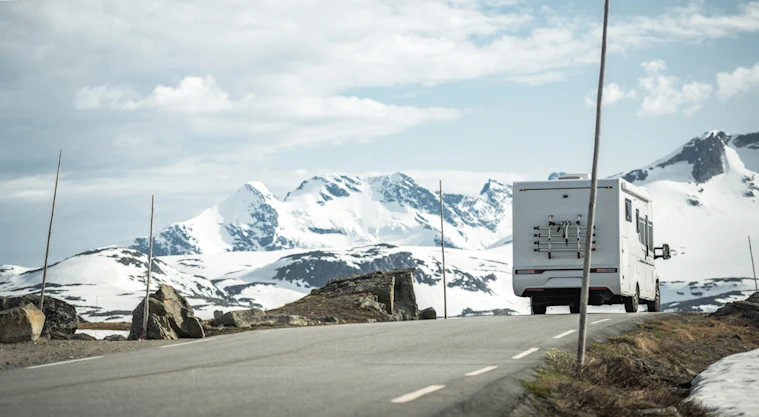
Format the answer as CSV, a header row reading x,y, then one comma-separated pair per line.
x,y
124,325
649,367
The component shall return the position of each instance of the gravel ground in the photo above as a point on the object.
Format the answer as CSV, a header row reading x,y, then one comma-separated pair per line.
x,y
47,351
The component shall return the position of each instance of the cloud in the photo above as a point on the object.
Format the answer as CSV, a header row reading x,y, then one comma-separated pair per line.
x,y
668,94
191,95
741,80
654,67
612,93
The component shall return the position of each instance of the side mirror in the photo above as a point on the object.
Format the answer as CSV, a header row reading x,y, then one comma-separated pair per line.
x,y
665,252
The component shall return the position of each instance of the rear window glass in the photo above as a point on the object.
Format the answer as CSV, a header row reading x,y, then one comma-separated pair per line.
x,y
628,210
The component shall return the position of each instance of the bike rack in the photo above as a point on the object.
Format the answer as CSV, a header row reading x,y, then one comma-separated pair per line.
x,y
566,229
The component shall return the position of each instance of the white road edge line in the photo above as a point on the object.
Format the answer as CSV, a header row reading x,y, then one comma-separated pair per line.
x,y
64,362
600,321
187,343
564,334
525,353
416,394
481,371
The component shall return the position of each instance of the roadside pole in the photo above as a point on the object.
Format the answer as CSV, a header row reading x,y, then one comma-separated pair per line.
x,y
150,267
50,232
753,267
442,248
592,204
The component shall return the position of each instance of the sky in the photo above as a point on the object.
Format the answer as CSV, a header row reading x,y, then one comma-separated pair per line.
x,y
188,100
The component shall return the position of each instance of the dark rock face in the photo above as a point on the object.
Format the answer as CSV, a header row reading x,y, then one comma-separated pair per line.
x,y
115,338
428,314
170,316
750,141
705,154
748,310
60,316
82,336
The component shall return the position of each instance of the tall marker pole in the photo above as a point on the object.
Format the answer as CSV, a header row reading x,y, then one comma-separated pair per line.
x,y
150,267
756,286
442,248
592,204
50,232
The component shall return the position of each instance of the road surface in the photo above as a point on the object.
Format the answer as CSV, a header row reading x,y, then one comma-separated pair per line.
x,y
422,368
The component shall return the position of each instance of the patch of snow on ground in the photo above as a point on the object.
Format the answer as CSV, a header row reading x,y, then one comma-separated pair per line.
x,y
100,334
729,387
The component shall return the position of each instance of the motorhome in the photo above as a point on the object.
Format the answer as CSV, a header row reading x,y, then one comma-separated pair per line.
x,y
550,235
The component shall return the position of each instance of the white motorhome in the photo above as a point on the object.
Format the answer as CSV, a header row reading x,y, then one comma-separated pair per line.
x,y
550,234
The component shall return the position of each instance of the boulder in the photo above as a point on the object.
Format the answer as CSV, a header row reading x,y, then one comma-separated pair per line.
x,y
59,336
170,316
748,310
60,316
195,327
20,324
217,314
240,318
82,336
115,338
428,314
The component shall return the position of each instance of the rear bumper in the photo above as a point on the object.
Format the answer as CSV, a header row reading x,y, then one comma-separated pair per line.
x,y
563,281
567,296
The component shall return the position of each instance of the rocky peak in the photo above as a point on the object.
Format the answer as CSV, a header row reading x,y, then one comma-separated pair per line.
x,y
496,190
706,155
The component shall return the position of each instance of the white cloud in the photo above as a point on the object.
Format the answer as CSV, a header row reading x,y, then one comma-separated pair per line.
x,y
741,80
191,95
613,93
654,67
668,94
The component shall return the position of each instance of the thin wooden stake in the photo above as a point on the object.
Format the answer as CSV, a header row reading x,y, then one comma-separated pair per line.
x,y
442,247
592,203
50,232
753,267
150,267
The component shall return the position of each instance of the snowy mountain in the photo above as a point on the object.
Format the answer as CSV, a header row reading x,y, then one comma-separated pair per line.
x,y
340,211
107,284
705,205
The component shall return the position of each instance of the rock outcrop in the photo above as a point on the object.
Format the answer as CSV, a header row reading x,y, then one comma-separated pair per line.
x,y
21,324
377,296
115,338
170,316
394,289
60,316
748,310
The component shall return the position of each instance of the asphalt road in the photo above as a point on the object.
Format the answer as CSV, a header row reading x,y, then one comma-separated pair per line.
x,y
424,368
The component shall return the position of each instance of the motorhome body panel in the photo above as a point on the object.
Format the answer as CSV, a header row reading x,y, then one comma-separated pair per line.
x,y
559,266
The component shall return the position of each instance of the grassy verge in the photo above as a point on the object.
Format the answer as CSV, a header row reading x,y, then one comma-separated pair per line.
x,y
650,367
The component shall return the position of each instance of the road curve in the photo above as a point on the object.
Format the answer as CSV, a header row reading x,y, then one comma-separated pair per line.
x,y
422,368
